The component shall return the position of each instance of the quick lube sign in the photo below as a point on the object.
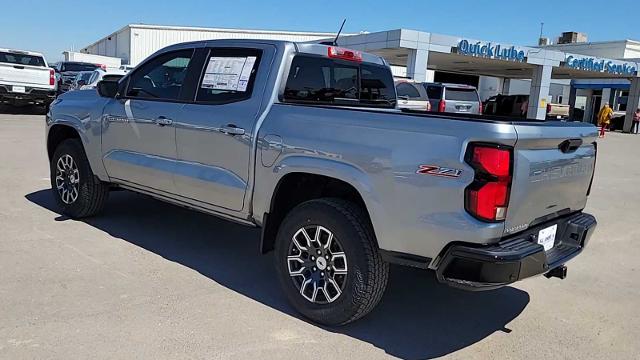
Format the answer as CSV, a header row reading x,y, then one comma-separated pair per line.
x,y
596,65
489,50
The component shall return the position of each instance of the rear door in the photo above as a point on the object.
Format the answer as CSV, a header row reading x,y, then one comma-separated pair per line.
x,y
139,139
553,170
214,134
461,100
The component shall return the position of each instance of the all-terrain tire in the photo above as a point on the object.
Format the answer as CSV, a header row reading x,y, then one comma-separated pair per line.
x,y
367,273
91,192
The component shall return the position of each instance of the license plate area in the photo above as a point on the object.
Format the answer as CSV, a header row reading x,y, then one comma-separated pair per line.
x,y
18,89
547,237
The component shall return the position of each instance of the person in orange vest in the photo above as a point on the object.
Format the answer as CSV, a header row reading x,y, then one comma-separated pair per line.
x,y
604,118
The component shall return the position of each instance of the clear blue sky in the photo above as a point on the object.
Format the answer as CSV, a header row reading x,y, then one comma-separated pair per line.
x,y
53,26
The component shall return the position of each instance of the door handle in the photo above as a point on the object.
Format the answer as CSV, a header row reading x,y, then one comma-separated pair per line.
x,y
163,121
232,130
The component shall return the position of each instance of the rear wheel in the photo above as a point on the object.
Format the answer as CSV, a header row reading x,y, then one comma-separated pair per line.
x,y
78,192
328,262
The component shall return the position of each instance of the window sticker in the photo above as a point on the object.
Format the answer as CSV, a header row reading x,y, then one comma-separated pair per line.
x,y
228,73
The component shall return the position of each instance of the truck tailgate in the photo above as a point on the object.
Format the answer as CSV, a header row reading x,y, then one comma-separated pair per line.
x,y
553,169
34,76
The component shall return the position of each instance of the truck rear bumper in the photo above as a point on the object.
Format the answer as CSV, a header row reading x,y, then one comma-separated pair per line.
x,y
31,95
473,267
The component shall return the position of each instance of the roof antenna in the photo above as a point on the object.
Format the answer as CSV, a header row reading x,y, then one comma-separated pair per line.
x,y
335,41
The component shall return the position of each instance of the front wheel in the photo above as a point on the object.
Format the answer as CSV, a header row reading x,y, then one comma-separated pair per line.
x,y
78,192
328,262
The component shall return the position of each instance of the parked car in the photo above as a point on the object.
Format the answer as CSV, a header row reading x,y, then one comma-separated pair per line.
x,y
81,79
25,78
516,105
100,74
557,111
305,141
453,98
66,72
412,96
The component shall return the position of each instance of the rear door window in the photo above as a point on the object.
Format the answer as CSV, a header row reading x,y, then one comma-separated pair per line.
x,y
21,59
229,75
320,80
460,94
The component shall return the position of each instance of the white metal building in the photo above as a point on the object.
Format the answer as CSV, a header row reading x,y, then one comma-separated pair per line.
x,y
134,42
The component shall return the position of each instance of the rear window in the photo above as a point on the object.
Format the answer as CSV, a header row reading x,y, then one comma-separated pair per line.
x,y
458,94
84,76
327,81
110,77
407,90
21,59
434,92
78,67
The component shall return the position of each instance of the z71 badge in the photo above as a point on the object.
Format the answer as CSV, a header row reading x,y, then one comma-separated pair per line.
x,y
439,171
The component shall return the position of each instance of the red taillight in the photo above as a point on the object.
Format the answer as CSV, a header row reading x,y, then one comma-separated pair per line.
x,y
102,66
52,77
548,108
480,108
493,161
442,105
344,54
487,198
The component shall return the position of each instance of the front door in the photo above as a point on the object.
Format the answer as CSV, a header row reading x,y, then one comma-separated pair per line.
x,y
596,102
214,136
138,141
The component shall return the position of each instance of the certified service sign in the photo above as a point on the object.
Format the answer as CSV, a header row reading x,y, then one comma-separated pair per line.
x,y
599,65
488,50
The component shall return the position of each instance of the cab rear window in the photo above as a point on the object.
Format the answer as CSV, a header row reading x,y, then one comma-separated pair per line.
x,y
21,59
319,80
78,67
458,94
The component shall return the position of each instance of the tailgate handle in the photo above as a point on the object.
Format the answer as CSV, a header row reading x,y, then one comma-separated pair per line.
x,y
570,145
18,67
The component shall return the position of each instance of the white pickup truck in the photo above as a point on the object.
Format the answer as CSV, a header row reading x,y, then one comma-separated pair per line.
x,y
25,78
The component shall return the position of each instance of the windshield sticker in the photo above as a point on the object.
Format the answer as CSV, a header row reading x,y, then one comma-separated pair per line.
x,y
228,73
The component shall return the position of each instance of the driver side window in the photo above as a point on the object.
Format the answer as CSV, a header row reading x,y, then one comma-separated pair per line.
x,y
161,78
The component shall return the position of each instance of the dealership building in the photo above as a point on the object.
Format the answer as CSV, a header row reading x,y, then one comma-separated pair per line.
x,y
584,75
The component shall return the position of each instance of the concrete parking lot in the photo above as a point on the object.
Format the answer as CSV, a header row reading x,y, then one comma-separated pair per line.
x,y
151,280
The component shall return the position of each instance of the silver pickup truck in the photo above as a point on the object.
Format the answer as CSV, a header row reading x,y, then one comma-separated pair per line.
x,y
305,142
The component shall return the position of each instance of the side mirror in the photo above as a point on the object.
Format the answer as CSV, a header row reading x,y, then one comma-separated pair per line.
x,y
108,89
82,83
